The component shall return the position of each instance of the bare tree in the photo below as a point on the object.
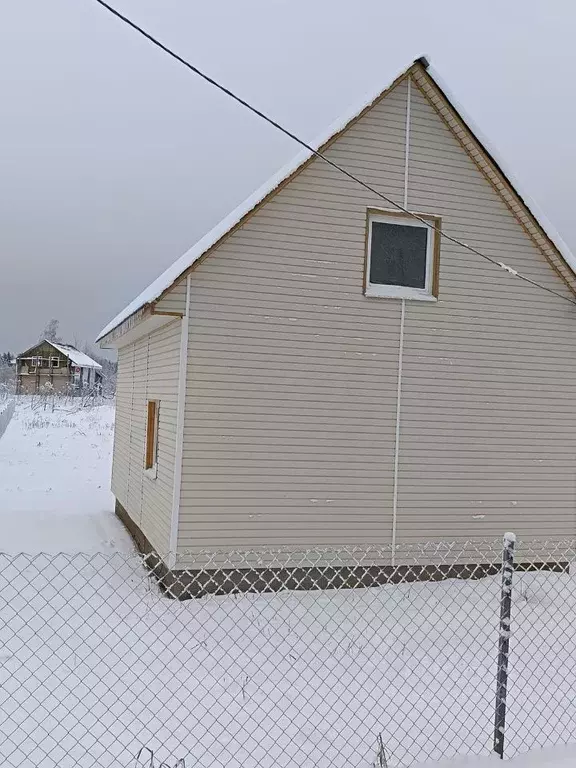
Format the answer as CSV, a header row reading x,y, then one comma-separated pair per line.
x,y
109,369
50,332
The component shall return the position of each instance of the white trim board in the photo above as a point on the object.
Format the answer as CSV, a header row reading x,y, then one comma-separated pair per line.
x,y
180,415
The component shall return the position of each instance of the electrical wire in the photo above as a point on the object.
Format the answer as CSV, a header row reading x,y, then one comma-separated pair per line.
x,y
323,157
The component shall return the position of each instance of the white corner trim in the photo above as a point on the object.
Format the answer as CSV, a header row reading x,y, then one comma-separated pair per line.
x,y
179,453
397,433
407,144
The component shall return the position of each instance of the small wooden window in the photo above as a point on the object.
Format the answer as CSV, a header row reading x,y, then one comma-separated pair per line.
x,y
54,362
151,435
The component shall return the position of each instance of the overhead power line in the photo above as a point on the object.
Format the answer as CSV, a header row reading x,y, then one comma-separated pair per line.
x,y
323,157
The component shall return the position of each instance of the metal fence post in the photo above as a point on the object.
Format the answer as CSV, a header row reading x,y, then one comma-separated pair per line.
x,y
504,642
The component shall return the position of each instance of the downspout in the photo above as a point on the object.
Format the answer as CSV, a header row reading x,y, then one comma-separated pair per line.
x,y
400,346
180,412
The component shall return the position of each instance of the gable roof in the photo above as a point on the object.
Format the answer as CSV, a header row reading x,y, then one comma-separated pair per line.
x,y
78,358
156,289
74,355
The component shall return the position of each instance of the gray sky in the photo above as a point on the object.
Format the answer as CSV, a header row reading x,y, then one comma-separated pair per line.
x,y
115,159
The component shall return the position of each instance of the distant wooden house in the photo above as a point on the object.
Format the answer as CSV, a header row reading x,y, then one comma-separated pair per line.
x,y
61,367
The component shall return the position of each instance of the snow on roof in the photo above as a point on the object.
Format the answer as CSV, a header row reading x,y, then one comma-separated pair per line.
x,y
167,278
77,357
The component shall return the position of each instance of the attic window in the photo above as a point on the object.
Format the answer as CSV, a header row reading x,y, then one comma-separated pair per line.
x,y
402,256
54,362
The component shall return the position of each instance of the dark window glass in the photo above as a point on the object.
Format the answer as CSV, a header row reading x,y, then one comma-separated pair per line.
x,y
398,255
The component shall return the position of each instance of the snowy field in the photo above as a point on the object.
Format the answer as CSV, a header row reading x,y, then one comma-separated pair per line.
x,y
96,663
55,480
558,757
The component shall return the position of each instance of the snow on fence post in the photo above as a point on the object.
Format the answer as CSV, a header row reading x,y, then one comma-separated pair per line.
x,y
504,642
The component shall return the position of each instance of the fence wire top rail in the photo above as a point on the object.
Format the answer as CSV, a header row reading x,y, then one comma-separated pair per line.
x,y
456,550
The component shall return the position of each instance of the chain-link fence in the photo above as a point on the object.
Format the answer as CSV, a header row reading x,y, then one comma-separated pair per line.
x,y
335,659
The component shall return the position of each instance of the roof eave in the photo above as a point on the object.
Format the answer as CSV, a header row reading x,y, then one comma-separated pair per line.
x,y
105,340
258,199
140,323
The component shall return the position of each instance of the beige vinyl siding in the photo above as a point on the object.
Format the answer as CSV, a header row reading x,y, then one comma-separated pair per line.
x,y
289,433
173,301
291,377
147,370
488,432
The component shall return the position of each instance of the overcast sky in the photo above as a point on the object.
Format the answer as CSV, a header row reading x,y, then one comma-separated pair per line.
x,y
114,159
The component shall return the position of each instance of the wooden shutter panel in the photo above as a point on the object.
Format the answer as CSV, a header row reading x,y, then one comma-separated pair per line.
x,y
150,434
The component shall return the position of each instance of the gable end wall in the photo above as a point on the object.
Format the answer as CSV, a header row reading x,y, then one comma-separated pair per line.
x,y
292,377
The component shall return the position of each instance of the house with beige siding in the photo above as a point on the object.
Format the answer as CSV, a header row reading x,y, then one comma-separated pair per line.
x,y
323,368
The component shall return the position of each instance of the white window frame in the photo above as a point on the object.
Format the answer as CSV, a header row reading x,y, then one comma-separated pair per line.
x,y
403,291
54,362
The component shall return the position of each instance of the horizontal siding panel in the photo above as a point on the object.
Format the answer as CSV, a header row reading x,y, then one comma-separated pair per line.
x,y
174,300
306,444
428,343
304,409
352,384
242,530
253,509
489,309
487,425
285,431
249,539
238,535
250,465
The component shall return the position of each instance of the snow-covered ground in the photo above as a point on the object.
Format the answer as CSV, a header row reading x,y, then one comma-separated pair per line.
x,y
96,663
558,757
55,480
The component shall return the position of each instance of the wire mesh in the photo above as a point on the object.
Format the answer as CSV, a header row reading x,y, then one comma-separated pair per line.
x,y
348,657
